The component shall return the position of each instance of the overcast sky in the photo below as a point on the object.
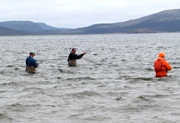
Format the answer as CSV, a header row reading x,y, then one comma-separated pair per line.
x,y
81,13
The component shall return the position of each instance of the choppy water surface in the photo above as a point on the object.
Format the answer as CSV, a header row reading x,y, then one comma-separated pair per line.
x,y
113,83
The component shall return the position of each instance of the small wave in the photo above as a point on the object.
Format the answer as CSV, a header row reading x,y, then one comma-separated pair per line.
x,y
176,113
65,71
23,105
143,78
143,98
81,78
163,79
156,96
4,117
84,93
1,72
175,62
59,77
16,68
61,71
139,78
2,91
119,98
10,66
32,88
174,67
149,69
98,118
10,83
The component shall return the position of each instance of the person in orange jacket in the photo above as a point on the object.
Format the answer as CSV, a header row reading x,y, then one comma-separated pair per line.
x,y
161,66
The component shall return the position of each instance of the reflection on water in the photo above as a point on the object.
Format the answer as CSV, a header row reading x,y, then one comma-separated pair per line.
x,y
113,82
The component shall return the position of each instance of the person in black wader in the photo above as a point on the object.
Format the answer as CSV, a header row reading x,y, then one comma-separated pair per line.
x,y
73,56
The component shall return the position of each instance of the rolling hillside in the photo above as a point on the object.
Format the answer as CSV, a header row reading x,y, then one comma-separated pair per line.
x,y
165,21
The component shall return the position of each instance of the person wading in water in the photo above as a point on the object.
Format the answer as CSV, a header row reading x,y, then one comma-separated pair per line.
x,y
31,63
161,66
73,56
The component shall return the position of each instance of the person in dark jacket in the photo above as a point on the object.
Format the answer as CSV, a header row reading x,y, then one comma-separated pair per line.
x,y
31,63
73,56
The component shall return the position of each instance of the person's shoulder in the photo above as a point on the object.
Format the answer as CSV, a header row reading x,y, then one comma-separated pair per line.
x,y
72,54
165,61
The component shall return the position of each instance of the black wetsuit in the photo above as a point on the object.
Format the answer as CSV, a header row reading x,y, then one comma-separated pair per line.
x,y
73,56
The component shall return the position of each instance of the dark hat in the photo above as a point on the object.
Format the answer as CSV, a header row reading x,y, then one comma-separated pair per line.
x,y
73,49
32,53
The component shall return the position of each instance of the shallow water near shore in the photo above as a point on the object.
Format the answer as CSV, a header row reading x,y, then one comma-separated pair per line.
x,y
113,83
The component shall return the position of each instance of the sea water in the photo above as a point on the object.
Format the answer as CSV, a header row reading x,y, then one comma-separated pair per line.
x,y
113,83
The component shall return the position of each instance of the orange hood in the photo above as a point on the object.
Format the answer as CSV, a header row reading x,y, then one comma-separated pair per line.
x,y
160,59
